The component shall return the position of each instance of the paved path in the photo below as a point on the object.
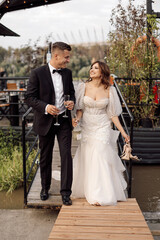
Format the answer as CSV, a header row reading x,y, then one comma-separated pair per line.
x,y
26,224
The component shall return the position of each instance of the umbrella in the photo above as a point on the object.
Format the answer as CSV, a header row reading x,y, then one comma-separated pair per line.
x,y
4,31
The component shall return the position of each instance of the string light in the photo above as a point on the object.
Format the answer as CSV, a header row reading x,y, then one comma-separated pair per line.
x,y
8,2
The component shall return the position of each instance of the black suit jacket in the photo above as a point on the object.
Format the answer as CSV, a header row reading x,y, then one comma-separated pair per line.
x,y
40,92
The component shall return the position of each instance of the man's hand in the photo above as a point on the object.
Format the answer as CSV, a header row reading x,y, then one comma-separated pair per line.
x,y
69,105
53,110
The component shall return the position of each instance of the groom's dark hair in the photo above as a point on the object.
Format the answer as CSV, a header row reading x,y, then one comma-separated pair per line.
x,y
61,45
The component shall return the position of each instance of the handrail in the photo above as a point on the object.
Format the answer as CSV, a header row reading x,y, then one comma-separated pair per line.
x,y
26,155
128,172
119,92
13,78
26,114
128,79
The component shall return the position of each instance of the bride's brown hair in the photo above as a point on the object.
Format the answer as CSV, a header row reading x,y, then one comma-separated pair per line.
x,y
105,73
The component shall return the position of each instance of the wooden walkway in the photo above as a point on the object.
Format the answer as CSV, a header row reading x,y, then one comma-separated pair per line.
x,y
83,221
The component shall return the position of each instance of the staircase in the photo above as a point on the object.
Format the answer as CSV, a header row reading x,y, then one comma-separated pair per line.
x,y
146,144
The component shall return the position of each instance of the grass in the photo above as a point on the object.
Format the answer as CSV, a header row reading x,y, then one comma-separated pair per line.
x,y
11,161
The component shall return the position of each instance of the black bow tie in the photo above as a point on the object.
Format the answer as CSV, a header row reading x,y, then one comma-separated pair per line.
x,y
57,70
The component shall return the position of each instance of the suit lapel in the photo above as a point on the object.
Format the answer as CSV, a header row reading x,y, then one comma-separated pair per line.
x,y
63,80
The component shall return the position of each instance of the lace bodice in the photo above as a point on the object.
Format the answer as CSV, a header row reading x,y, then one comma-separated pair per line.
x,y
95,106
111,105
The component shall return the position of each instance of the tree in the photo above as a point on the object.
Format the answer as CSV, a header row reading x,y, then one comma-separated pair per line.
x,y
130,55
128,24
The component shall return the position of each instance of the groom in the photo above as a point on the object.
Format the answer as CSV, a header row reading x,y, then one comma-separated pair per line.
x,y
45,94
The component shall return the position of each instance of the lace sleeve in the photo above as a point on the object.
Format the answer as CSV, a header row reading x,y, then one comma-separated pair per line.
x,y
79,96
114,107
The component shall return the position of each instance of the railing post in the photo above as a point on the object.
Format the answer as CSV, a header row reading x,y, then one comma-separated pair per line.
x,y
130,161
24,159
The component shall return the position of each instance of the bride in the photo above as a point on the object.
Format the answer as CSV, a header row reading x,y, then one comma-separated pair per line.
x,y
98,170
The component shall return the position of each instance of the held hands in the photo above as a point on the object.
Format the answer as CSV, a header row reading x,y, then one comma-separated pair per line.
x,y
53,110
75,122
69,105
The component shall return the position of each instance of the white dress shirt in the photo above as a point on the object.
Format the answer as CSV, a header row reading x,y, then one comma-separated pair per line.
x,y
58,87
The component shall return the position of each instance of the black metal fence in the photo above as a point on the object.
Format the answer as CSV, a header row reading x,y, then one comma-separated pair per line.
x,y
12,98
33,145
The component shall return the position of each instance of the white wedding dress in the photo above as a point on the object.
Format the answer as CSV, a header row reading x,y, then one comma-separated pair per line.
x,y
97,168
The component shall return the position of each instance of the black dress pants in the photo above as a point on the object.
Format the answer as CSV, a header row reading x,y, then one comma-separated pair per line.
x,y
46,144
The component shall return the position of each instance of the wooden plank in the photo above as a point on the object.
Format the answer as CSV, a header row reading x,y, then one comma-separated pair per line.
x,y
102,211
100,222
83,202
119,207
102,229
155,232
98,236
100,216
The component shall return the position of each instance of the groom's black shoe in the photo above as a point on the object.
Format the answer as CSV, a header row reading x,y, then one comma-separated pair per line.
x,y
44,194
66,200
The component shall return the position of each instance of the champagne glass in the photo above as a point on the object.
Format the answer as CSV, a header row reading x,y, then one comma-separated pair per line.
x,y
66,98
57,123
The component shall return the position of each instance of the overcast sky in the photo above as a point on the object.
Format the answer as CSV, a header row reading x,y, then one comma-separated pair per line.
x,y
72,21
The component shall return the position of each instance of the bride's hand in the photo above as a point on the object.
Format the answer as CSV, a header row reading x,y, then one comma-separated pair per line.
x,y
126,137
75,122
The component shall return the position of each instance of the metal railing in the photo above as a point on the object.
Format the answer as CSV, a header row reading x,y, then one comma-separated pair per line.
x,y
129,131
12,101
26,155
143,98
135,90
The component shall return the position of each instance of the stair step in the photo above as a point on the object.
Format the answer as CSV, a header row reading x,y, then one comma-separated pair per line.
x,y
147,150
148,161
147,156
145,145
146,134
146,140
156,129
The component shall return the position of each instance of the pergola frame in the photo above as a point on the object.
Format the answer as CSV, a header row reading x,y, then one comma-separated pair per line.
x,y
13,5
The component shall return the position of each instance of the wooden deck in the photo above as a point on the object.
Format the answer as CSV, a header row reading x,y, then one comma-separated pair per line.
x,y
83,221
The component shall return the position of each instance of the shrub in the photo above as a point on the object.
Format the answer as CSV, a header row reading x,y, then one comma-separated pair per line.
x,y
11,162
